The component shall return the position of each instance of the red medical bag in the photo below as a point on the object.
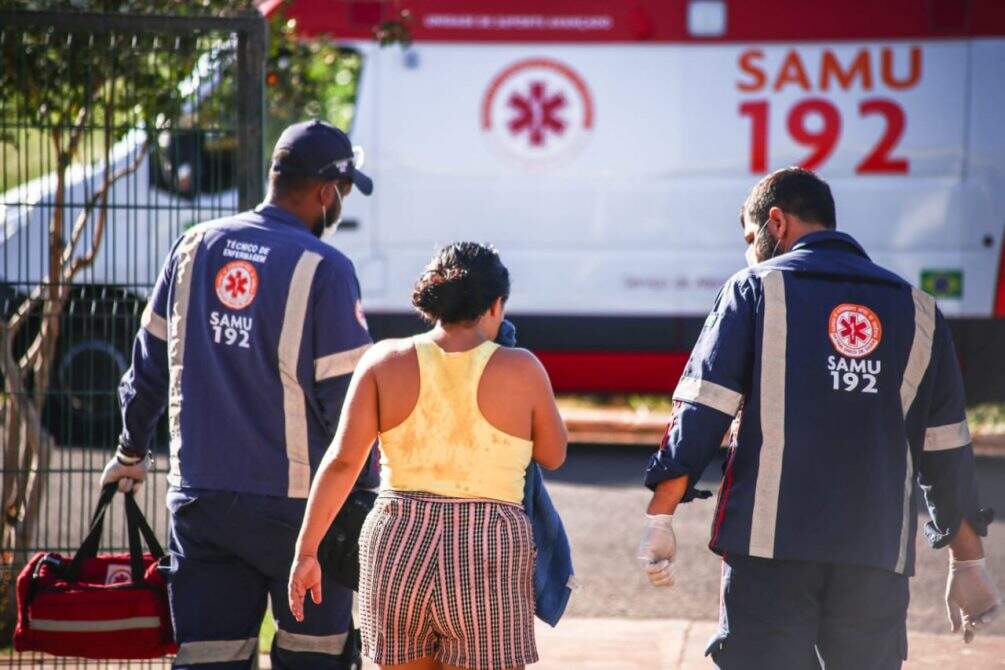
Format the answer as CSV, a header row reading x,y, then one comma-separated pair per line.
x,y
108,606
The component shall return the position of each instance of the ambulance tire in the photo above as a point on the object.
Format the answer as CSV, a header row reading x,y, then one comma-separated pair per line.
x,y
93,353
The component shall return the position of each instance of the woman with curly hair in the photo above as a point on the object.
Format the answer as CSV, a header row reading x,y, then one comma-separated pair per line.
x,y
447,554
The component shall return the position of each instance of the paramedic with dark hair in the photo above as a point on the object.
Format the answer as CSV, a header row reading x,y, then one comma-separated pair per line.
x,y
849,391
250,338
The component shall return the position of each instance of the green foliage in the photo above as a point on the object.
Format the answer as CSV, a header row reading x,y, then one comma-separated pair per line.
x,y
395,31
987,418
69,84
96,88
266,634
307,79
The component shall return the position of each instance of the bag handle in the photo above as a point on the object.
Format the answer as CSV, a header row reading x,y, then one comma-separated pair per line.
x,y
89,547
140,521
136,527
133,533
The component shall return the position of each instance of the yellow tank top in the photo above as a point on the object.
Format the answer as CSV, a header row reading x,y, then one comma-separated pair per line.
x,y
446,446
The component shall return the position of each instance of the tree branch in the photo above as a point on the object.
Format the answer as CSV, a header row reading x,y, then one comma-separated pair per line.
x,y
29,422
37,294
78,132
30,357
85,261
19,318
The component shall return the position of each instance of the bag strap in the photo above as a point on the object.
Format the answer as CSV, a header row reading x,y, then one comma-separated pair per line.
x,y
135,548
89,547
149,536
136,528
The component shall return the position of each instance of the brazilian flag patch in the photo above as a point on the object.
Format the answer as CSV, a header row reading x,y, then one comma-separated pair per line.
x,y
942,283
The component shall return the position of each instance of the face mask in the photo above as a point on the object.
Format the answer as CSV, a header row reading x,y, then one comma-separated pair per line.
x,y
325,225
338,219
752,248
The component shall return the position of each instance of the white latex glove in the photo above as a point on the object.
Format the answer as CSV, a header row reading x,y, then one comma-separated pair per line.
x,y
128,475
971,597
658,548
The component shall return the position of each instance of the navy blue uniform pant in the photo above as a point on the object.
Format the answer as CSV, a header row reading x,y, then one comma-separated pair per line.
x,y
229,553
798,615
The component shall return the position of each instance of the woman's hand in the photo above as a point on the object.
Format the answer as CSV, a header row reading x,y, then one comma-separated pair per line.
x,y
305,575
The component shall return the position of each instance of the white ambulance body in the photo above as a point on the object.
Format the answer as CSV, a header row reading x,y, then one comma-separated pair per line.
x,y
606,148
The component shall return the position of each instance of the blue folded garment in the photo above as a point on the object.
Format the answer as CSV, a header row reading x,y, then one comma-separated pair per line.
x,y
553,570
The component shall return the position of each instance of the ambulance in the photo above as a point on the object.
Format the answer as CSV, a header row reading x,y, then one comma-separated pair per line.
x,y
606,148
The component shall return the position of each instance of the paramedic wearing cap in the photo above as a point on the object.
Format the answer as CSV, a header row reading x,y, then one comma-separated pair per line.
x,y
850,393
249,339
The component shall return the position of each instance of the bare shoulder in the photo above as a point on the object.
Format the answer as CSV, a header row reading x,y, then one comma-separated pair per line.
x,y
387,353
519,363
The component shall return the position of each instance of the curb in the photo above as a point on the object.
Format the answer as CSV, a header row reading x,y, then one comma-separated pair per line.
x,y
679,644
630,428
989,444
613,426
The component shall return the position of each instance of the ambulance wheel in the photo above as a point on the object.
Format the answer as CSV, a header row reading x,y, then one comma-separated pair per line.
x,y
93,353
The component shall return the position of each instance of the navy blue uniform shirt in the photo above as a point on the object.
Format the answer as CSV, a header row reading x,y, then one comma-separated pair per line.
x,y
249,338
850,391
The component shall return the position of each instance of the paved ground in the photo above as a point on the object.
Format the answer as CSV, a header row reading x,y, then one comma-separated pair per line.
x,y
601,501
675,644
616,620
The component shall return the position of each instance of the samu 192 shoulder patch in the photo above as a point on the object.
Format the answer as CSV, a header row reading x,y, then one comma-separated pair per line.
x,y
855,330
237,284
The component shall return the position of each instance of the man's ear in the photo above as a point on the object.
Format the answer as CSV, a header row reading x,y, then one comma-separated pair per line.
x,y
321,194
779,221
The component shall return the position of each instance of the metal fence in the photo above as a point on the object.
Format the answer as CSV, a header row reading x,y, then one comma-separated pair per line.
x,y
117,133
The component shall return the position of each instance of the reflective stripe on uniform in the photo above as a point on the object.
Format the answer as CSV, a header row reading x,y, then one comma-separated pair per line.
x,y
709,394
772,397
294,404
950,436
154,323
317,644
917,363
185,257
336,365
95,626
215,651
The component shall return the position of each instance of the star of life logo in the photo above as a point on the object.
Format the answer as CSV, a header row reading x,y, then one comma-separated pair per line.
x,y
537,109
237,284
118,573
855,330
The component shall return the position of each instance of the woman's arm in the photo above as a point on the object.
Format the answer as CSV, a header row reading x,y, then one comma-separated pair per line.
x,y
547,428
336,475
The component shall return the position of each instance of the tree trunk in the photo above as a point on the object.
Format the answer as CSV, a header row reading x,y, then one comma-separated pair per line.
x,y
27,444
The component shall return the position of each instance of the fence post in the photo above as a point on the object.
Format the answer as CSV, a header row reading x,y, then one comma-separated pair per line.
x,y
251,47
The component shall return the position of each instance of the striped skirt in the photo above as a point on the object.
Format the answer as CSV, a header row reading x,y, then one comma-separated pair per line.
x,y
448,578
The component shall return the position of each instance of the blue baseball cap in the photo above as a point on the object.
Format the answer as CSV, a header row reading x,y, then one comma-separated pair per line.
x,y
318,149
